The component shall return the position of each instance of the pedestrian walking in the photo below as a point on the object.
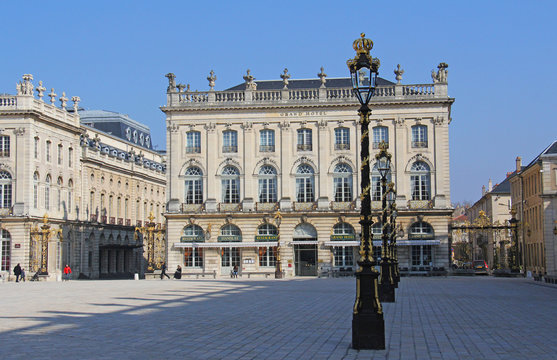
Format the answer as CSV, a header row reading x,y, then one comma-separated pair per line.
x,y
163,271
67,272
178,273
22,276
235,271
17,272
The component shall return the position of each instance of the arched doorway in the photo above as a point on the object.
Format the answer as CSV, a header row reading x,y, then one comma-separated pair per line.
x,y
305,250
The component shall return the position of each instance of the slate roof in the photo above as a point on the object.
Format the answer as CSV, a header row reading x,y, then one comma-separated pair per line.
x,y
502,188
550,150
119,125
304,84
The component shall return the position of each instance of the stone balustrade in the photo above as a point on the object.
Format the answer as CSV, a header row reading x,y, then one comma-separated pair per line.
x,y
25,102
299,96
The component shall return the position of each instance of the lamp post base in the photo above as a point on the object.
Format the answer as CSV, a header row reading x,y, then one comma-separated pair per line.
x,y
279,274
386,292
368,331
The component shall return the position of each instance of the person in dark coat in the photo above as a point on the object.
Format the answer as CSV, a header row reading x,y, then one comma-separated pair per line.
x,y
17,272
163,271
178,273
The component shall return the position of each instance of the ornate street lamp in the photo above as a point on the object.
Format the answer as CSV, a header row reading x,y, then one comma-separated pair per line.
x,y
386,283
278,270
368,326
41,237
515,267
393,256
153,234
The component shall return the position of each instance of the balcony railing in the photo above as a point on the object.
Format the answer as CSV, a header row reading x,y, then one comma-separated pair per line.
x,y
5,153
420,204
230,149
192,208
340,206
376,144
128,222
304,147
120,221
271,206
112,220
267,148
225,207
93,217
419,144
138,223
193,149
305,206
342,146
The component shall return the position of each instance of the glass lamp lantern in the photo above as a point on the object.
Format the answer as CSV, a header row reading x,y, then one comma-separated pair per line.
x,y
363,70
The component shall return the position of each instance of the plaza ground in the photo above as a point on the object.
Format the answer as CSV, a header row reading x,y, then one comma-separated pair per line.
x,y
433,318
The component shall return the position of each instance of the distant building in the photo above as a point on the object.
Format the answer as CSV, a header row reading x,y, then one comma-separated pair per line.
x,y
91,174
495,204
239,156
534,198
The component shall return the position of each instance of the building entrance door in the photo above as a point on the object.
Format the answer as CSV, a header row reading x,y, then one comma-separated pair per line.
x,y
230,257
305,260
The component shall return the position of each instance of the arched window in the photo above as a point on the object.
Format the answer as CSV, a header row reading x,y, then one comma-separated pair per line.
x,y
376,191
193,142
230,256
193,233
267,184
5,250
70,196
380,133
304,183
267,140
59,194
342,138
194,186
343,255
230,185
47,192
343,183
36,190
229,141
419,136
421,231
420,181
267,254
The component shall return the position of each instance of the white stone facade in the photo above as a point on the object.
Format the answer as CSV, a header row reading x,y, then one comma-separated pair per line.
x,y
218,139
52,164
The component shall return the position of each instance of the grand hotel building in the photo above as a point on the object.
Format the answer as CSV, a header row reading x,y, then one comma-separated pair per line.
x,y
241,158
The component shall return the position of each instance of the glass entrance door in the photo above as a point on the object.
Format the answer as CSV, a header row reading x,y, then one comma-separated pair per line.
x,y
305,260
230,257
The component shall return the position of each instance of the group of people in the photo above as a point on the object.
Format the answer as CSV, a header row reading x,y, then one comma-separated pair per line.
x,y
19,273
177,273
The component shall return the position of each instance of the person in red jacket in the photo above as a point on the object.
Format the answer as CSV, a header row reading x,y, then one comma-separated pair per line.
x,y
67,272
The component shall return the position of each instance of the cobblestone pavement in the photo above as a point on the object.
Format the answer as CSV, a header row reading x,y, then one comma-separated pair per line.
x,y
433,318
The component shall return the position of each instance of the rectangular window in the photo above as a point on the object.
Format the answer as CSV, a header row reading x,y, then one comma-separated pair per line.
x,y
304,140
59,154
267,190
267,256
419,136
380,134
343,189
230,257
342,139
193,142
5,253
4,146
70,157
193,257
343,256
267,141
230,191
421,255
304,189
36,148
230,141
194,191
48,143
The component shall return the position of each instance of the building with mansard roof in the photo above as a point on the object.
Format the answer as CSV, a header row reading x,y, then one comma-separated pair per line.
x,y
79,174
241,158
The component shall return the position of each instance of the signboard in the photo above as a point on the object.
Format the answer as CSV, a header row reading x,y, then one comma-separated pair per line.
x,y
17,246
343,237
249,261
266,237
229,238
192,238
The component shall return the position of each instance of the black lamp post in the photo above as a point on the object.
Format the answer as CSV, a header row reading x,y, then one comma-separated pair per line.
x,y
392,243
278,270
515,268
368,326
386,283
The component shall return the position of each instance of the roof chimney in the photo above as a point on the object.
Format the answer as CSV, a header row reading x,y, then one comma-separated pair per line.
x,y
489,186
518,164
483,190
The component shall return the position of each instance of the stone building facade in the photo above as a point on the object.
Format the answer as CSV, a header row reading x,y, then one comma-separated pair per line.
x,y
73,171
534,198
241,158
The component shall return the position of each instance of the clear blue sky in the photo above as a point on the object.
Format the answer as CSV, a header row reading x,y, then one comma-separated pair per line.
x,y
114,55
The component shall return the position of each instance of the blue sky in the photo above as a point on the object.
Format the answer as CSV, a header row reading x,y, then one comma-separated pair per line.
x,y
114,55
